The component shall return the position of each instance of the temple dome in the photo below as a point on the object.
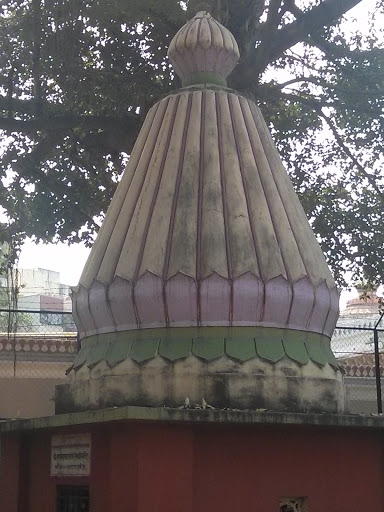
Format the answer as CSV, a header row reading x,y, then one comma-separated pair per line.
x,y
205,229
203,51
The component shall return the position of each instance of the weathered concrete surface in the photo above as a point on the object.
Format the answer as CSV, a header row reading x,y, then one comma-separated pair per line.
x,y
284,386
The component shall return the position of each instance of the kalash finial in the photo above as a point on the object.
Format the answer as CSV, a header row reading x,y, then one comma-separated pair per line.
x,y
203,51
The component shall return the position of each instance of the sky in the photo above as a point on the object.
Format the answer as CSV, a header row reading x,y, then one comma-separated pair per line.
x,y
70,260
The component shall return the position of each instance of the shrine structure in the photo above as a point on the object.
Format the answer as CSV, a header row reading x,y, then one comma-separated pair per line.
x,y
206,280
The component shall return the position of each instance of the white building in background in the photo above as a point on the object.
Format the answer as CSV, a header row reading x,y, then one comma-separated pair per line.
x,y
41,290
359,313
42,281
40,346
353,346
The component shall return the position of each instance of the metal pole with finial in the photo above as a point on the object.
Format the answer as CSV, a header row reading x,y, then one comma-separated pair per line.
x,y
377,365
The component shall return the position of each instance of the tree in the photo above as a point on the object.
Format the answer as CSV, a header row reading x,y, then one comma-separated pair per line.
x,y
11,320
78,77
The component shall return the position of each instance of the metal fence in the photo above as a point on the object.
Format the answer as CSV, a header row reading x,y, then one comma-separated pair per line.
x,y
36,349
42,345
36,344
359,351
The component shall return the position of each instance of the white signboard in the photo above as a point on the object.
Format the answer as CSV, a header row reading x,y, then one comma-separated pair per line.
x,y
71,455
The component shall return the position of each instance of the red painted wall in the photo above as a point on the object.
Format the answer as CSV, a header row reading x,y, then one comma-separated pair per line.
x,y
338,470
203,468
10,470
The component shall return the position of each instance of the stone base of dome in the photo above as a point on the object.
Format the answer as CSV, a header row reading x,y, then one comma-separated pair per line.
x,y
222,383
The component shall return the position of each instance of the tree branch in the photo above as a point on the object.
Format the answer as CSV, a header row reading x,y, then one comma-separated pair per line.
x,y
29,167
273,17
351,156
270,26
244,22
31,161
112,133
308,23
347,151
19,106
10,93
299,79
103,134
320,82
68,122
336,51
36,56
322,15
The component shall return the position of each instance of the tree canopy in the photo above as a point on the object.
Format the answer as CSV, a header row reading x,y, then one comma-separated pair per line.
x,y
77,78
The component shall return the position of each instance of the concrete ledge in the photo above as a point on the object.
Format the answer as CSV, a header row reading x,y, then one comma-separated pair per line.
x,y
214,416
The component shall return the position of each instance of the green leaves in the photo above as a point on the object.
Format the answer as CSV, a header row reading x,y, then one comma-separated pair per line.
x,y
78,77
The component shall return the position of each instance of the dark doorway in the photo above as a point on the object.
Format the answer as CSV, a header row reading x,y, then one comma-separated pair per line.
x,y
72,498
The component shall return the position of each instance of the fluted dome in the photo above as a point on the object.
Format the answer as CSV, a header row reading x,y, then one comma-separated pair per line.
x,y
203,51
205,229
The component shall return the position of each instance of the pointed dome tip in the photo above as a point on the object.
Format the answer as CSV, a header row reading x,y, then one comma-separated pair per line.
x,y
203,51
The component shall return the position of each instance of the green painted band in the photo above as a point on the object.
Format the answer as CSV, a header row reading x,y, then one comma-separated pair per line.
x,y
204,77
207,343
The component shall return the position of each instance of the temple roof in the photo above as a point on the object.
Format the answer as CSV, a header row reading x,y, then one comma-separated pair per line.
x,y
205,227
